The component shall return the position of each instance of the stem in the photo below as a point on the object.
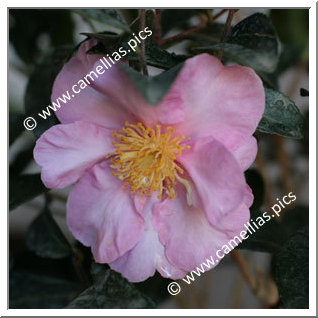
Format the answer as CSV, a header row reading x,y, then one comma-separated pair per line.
x,y
248,276
158,29
142,26
226,29
219,14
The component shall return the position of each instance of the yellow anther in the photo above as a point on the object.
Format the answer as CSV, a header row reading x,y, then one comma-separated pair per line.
x,y
145,159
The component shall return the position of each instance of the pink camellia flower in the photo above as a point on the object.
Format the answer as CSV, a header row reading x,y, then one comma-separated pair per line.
x,y
155,187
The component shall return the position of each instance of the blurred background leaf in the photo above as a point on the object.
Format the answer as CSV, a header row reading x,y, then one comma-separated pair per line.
x,y
291,269
29,26
270,236
27,290
23,188
110,290
39,88
45,238
106,16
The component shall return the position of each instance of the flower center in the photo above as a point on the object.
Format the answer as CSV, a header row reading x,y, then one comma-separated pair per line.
x,y
145,159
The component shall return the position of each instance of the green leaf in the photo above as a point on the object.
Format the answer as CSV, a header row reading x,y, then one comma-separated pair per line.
x,y
281,116
291,271
111,291
39,88
107,16
154,88
15,126
271,235
45,238
24,188
252,42
157,57
27,290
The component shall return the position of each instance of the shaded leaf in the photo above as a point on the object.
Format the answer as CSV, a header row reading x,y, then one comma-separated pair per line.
x,y
291,271
155,287
252,42
111,290
154,88
271,235
57,24
24,188
155,56
31,291
15,126
292,25
256,183
304,92
107,16
45,238
281,116
176,18
22,159
39,88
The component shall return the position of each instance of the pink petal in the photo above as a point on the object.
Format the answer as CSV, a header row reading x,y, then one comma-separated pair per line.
x,y
112,98
246,153
217,177
148,255
102,215
89,104
65,152
186,234
226,102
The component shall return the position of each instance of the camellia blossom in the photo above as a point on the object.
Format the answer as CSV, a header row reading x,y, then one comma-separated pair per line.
x,y
155,187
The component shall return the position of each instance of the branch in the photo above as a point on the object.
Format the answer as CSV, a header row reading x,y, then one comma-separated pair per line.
x,y
142,13
226,29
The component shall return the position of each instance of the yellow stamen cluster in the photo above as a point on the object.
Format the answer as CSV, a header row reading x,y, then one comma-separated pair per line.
x,y
145,159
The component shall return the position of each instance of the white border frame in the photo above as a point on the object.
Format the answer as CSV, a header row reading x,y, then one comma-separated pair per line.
x,y
312,162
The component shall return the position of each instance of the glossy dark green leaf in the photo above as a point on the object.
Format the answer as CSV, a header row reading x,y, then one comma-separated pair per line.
x,y
107,16
155,56
281,116
56,24
270,236
32,291
46,239
154,88
24,188
15,126
252,42
39,88
291,271
111,290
